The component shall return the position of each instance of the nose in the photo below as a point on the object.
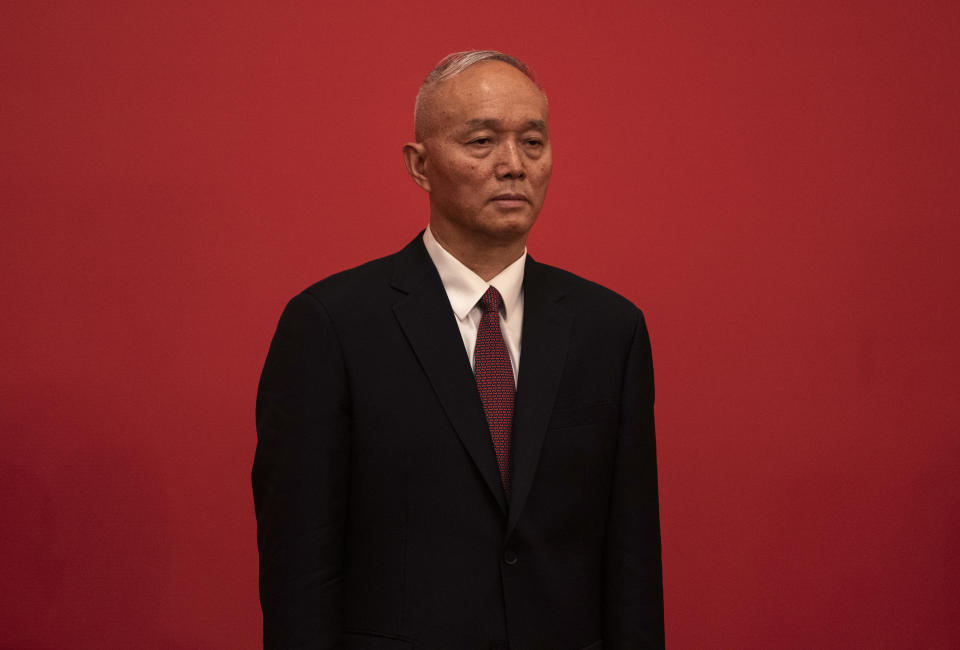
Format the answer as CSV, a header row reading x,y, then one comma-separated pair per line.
x,y
510,163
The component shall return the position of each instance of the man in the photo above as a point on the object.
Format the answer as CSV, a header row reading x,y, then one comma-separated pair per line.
x,y
455,442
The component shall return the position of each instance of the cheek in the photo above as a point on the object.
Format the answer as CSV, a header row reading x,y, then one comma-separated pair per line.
x,y
462,173
469,178
542,175
463,187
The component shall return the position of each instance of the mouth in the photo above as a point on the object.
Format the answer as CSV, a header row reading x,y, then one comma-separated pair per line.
x,y
510,200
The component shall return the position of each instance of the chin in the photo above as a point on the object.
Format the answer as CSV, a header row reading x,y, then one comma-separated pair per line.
x,y
508,227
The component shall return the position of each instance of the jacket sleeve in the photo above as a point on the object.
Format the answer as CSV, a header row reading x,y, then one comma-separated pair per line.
x,y
633,608
300,475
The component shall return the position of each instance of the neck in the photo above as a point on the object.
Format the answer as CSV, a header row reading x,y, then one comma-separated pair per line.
x,y
486,257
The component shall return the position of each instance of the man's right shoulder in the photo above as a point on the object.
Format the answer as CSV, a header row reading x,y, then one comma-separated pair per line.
x,y
369,285
347,284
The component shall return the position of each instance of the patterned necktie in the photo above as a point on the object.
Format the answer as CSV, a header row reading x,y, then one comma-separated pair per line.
x,y
491,365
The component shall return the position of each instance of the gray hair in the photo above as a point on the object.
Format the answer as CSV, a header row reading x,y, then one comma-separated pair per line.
x,y
452,65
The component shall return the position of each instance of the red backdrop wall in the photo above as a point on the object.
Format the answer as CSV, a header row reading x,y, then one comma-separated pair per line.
x,y
775,183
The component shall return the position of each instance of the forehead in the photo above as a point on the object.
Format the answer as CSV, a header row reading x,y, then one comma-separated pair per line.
x,y
491,90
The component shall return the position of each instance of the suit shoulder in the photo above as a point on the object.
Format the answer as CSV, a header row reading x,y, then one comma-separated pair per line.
x,y
351,284
589,294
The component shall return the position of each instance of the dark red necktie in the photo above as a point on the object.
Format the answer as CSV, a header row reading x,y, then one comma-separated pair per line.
x,y
491,365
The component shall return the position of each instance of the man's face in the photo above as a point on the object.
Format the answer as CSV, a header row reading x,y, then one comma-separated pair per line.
x,y
488,158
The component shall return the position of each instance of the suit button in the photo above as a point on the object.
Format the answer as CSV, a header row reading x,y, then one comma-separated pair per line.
x,y
510,557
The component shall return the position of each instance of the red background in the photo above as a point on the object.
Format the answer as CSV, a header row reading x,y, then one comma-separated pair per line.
x,y
775,183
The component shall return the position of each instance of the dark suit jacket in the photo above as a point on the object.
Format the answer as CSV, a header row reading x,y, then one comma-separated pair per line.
x,y
381,520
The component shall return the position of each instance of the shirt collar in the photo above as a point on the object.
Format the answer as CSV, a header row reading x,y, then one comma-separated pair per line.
x,y
465,288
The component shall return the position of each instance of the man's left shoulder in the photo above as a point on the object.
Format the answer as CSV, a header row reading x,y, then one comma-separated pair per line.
x,y
586,296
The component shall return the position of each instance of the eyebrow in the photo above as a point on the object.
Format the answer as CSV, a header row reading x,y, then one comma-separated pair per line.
x,y
492,123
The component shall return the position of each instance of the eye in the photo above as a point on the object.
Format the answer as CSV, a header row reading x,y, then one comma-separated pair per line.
x,y
483,140
535,142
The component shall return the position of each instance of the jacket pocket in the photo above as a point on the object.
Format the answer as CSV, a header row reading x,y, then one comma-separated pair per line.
x,y
374,641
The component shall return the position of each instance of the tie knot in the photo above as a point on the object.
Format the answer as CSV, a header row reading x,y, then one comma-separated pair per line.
x,y
490,301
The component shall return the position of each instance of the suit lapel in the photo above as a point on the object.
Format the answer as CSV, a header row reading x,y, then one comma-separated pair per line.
x,y
428,323
546,333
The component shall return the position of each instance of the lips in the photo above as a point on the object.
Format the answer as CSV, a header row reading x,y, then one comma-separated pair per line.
x,y
509,197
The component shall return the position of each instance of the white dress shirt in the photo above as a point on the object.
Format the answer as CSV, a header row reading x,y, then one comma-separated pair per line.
x,y
465,288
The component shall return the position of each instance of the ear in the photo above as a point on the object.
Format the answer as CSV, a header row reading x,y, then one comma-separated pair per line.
x,y
415,157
